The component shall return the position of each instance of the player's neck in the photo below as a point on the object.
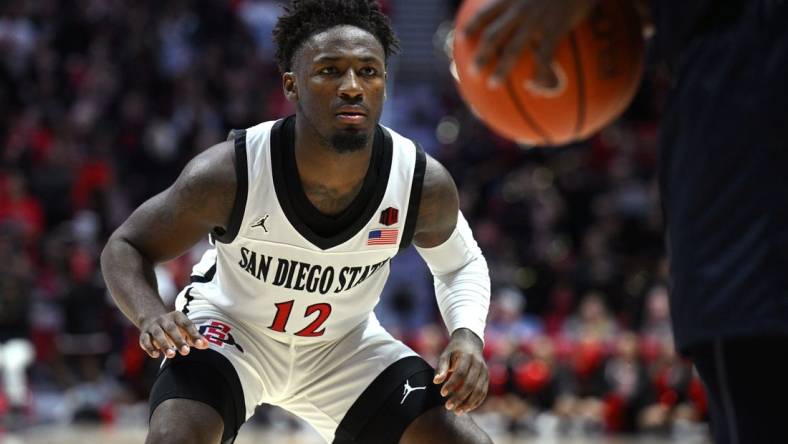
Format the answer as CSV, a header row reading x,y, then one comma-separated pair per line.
x,y
318,162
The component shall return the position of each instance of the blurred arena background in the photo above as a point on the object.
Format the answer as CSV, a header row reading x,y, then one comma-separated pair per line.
x,y
103,101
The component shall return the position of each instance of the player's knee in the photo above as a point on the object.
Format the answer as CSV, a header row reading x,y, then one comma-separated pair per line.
x,y
439,426
180,434
172,423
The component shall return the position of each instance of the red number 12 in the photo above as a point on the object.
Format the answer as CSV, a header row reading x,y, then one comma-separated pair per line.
x,y
283,310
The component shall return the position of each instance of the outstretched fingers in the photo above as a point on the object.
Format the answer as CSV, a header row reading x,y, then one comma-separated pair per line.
x,y
170,333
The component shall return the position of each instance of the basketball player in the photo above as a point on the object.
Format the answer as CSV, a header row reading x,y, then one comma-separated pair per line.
x,y
305,214
724,186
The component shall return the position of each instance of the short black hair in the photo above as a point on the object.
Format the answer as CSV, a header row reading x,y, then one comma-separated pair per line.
x,y
304,18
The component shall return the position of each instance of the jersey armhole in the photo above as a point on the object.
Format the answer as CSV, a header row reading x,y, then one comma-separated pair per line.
x,y
414,202
242,179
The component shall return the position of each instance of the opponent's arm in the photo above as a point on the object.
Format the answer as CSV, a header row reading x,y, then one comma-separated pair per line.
x,y
507,28
462,288
163,228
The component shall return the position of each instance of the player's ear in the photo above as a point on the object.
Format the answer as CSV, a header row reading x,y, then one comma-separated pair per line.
x,y
289,86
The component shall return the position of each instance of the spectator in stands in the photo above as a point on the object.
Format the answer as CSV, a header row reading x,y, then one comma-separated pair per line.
x,y
630,389
593,322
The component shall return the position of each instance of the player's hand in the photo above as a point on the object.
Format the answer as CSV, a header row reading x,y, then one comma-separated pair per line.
x,y
170,333
509,27
463,364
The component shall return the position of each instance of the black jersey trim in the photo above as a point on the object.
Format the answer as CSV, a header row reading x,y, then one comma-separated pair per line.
x,y
241,192
322,224
207,277
189,298
414,202
382,413
280,141
205,376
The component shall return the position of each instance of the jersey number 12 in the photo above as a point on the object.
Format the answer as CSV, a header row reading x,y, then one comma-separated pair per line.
x,y
283,314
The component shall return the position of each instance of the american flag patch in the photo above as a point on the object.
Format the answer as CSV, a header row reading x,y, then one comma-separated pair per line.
x,y
386,236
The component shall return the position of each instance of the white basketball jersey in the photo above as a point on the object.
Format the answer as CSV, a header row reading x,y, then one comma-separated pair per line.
x,y
271,270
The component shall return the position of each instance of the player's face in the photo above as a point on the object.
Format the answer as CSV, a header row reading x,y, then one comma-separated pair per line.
x,y
340,85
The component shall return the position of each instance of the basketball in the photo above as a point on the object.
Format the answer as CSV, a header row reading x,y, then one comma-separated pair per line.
x,y
598,65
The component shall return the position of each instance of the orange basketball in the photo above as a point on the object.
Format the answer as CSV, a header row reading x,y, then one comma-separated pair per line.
x,y
599,65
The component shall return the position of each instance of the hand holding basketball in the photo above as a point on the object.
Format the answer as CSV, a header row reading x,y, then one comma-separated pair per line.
x,y
509,27
548,72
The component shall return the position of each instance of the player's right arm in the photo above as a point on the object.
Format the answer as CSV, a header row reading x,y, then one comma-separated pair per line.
x,y
162,228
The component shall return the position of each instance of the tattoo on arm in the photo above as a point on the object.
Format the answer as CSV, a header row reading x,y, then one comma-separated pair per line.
x,y
200,199
439,206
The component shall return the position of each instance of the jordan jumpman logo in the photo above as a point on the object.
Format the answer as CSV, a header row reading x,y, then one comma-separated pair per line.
x,y
409,389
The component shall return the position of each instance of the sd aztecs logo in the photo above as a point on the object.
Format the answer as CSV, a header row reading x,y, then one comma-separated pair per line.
x,y
389,216
218,333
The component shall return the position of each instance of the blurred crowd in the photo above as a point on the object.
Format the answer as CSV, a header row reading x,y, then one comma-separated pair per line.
x,y
102,102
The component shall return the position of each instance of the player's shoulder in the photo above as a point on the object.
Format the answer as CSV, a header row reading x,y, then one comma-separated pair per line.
x,y
438,182
215,164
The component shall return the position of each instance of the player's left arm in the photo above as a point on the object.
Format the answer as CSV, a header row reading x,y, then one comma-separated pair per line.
x,y
462,287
